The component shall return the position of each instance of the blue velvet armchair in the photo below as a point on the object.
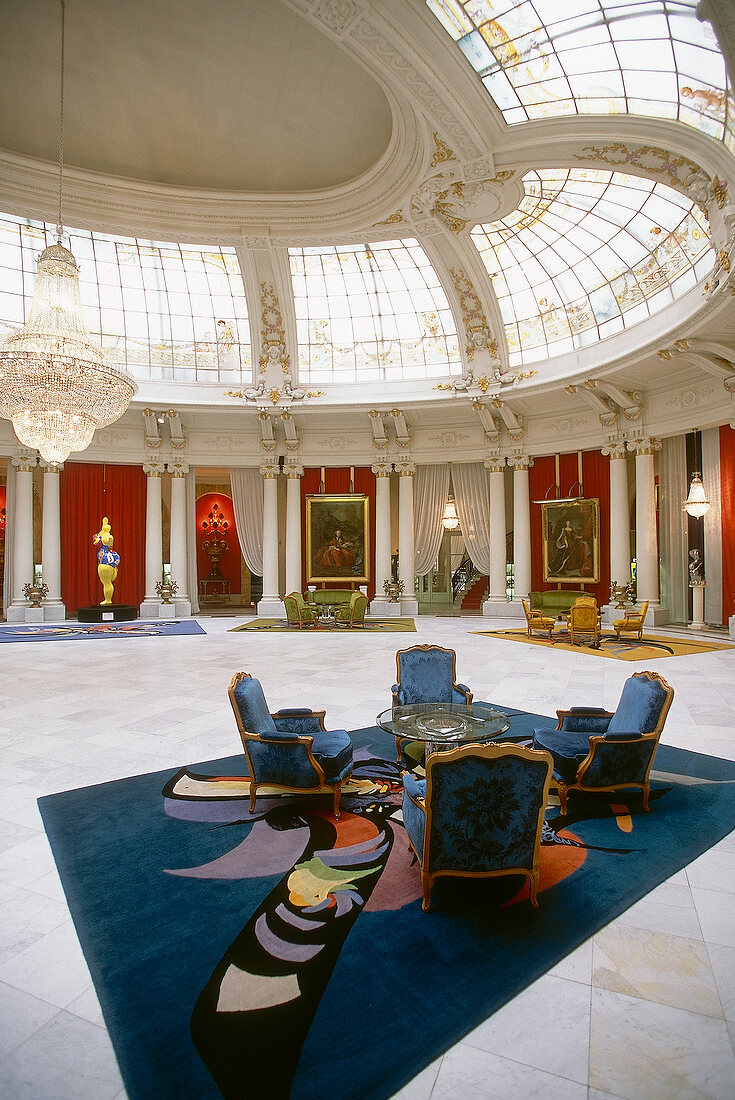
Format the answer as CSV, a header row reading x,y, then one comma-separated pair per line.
x,y
290,749
427,674
479,812
602,750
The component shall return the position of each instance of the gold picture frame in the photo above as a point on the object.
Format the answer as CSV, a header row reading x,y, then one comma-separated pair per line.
x,y
571,540
337,538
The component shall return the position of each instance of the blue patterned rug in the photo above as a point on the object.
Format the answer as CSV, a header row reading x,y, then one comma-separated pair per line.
x,y
159,628
286,954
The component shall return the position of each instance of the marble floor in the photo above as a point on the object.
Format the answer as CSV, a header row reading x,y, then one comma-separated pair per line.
x,y
645,1009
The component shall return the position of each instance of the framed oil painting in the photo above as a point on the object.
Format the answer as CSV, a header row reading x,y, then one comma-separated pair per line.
x,y
571,536
337,532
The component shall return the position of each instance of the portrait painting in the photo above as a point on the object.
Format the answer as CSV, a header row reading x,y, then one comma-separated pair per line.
x,y
571,538
337,538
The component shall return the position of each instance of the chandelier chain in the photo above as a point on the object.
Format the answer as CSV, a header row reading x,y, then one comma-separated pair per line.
x,y
60,224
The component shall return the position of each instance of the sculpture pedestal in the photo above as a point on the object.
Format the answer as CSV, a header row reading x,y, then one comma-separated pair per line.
x,y
107,613
697,622
383,608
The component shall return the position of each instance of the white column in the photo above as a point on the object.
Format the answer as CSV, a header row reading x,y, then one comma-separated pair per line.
x,y
271,604
53,608
153,539
294,472
619,523
406,553
380,604
646,537
178,548
496,604
521,532
23,562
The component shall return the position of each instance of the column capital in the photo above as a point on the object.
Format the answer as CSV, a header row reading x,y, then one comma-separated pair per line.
x,y
293,471
494,465
615,450
646,446
51,467
406,468
382,469
520,462
269,470
153,467
177,468
25,462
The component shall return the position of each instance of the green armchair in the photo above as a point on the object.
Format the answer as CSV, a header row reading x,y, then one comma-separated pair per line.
x,y
298,612
353,613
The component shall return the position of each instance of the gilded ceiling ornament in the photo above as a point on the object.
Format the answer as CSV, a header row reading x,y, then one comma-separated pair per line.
x,y
394,219
442,152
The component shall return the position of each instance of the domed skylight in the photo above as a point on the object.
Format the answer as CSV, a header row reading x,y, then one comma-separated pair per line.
x,y
167,311
587,254
547,58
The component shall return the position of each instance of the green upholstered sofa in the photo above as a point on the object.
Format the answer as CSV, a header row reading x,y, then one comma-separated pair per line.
x,y
330,595
554,601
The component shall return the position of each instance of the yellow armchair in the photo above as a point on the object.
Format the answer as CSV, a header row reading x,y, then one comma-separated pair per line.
x,y
584,621
536,620
632,623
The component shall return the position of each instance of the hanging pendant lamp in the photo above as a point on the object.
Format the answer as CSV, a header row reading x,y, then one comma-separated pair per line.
x,y
696,504
55,385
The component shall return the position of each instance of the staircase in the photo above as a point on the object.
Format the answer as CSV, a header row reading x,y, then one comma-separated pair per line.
x,y
475,594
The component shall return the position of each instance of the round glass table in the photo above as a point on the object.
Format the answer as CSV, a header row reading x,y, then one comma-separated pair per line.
x,y
447,724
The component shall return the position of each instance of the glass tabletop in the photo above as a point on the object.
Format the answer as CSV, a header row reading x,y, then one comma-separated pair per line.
x,y
442,723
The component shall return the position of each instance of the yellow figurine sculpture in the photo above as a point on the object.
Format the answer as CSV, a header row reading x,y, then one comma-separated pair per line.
x,y
108,560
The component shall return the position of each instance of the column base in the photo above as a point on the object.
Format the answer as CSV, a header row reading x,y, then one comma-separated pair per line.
x,y
22,613
383,608
514,609
271,607
409,606
656,615
149,608
610,612
54,612
496,607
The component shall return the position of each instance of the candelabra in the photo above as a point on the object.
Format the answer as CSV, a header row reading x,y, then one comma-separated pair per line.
x,y
215,545
623,593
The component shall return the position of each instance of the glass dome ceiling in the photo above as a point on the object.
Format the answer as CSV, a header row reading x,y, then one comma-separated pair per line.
x,y
546,58
587,254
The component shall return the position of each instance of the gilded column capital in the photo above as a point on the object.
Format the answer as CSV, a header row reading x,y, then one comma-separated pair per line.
x,y
382,469
178,469
51,467
25,463
494,465
520,462
615,450
269,470
153,468
406,468
293,471
644,446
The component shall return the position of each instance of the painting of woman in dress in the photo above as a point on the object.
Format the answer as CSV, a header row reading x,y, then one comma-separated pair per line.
x,y
571,541
337,537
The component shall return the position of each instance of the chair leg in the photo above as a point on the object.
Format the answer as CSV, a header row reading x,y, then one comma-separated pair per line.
x,y
426,887
533,887
646,791
253,787
562,790
337,791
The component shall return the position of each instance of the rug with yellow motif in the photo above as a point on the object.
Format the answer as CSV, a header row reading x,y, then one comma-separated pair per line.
x,y
650,647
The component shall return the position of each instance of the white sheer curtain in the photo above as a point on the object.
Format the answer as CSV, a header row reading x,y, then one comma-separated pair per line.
x,y
191,540
712,526
473,507
9,528
247,503
430,490
672,492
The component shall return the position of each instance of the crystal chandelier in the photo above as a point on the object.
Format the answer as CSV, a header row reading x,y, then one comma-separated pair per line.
x,y
55,385
450,519
696,504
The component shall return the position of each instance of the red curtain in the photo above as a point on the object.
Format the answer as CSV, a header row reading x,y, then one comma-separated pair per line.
x,y
541,478
337,480
727,478
596,483
90,491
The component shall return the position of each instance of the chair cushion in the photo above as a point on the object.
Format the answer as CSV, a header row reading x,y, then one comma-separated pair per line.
x,y
567,748
333,750
640,706
426,676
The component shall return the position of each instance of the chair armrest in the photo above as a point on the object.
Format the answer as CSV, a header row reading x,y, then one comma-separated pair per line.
x,y
462,687
584,719
299,720
414,788
623,736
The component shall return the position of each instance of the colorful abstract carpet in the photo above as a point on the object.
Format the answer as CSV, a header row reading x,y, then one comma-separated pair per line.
x,y
371,625
160,628
626,649
286,954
